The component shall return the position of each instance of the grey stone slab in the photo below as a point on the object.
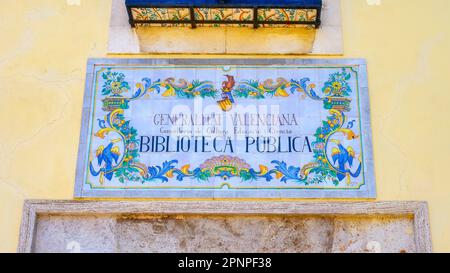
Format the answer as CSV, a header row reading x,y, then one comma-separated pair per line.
x,y
378,234
224,234
201,226
87,234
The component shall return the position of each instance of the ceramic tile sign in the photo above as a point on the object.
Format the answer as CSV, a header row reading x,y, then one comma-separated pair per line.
x,y
225,129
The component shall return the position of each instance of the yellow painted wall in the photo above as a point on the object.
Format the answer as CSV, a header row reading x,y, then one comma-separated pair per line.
x,y
43,51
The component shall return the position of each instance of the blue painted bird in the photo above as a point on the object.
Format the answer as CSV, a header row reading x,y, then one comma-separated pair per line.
x,y
342,156
108,155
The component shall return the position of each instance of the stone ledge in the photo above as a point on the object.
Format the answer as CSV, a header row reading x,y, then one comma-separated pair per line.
x,y
224,226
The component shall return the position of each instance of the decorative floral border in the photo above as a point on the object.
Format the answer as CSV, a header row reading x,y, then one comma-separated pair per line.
x,y
160,14
243,17
290,15
336,99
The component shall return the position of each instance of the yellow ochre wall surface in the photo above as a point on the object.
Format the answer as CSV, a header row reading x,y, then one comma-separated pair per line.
x,y
45,45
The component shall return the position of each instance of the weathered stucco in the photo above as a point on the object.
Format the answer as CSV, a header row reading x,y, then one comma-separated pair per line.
x,y
43,58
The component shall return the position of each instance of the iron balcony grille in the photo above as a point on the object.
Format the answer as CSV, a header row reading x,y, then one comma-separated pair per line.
x,y
256,13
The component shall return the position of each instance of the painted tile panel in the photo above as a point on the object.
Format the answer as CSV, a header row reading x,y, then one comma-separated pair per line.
x,y
226,130
160,14
223,14
290,15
